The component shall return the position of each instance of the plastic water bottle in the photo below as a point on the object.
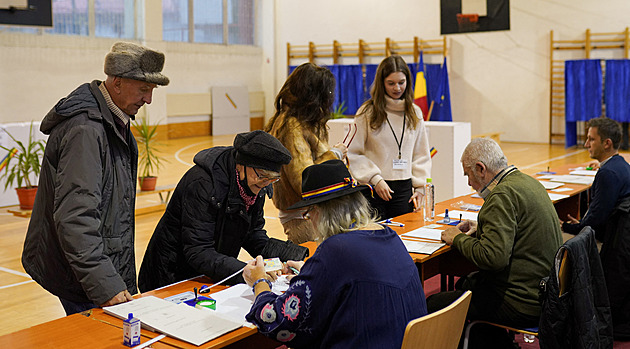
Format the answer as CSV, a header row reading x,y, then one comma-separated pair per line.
x,y
429,201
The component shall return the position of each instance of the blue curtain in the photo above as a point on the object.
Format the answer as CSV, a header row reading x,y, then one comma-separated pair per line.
x,y
583,94
291,69
617,89
349,87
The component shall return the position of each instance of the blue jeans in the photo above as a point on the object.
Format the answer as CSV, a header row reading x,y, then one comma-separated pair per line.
x,y
75,307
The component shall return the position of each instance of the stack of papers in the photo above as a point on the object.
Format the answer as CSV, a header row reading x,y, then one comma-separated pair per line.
x,y
424,233
180,321
584,172
550,185
422,247
586,180
423,240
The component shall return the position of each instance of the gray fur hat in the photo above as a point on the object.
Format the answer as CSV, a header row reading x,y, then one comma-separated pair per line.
x,y
132,61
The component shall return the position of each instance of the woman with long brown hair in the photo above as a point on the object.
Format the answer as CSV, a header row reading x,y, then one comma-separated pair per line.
x,y
390,149
303,106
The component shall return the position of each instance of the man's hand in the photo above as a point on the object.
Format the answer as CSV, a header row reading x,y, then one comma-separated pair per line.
x,y
122,297
571,219
449,234
383,190
467,226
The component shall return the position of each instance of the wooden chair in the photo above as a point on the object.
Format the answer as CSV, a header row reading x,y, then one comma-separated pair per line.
x,y
441,329
529,333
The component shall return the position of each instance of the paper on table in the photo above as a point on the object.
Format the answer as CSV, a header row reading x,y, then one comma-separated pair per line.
x,y
181,321
422,247
425,233
554,197
561,189
572,179
584,172
550,185
471,216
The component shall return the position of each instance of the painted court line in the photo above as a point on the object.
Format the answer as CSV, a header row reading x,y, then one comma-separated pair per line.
x,y
186,148
14,272
552,159
18,284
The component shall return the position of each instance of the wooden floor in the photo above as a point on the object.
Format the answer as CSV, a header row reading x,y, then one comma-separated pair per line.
x,y
23,303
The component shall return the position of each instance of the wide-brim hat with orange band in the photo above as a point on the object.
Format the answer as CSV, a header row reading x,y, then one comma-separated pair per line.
x,y
326,181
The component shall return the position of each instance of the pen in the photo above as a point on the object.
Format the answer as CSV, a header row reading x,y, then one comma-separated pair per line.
x,y
460,217
295,271
390,222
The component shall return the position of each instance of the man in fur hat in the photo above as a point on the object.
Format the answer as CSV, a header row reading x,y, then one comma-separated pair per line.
x,y
80,241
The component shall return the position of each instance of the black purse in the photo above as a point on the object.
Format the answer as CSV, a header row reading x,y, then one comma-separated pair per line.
x,y
285,250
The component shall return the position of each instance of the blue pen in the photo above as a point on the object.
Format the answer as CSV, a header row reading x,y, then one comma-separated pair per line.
x,y
295,271
390,222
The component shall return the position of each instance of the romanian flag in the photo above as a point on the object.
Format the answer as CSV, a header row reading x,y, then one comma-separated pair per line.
x,y
5,161
420,90
433,151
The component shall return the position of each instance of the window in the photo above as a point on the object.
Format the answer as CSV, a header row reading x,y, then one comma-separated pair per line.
x,y
112,19
210,21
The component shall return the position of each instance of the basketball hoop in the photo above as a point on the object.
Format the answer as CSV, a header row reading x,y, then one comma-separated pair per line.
x,y
467,22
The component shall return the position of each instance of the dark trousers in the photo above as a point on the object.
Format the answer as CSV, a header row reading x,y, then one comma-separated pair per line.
x,y
75,307
484,305
399,203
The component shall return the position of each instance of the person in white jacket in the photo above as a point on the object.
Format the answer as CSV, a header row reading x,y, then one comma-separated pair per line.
x,y
389,148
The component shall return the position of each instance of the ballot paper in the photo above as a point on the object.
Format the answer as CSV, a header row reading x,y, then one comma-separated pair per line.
x,y
424,233
422,247
555,197
551,185
180,321
586,180
584,172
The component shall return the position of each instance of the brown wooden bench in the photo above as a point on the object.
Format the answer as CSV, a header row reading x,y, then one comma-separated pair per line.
x,y
164,191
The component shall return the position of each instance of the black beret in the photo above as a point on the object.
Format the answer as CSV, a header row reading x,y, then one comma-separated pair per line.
x,y
259,149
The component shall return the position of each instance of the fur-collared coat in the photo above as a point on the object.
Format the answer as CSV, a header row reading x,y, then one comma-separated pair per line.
x,y
306,149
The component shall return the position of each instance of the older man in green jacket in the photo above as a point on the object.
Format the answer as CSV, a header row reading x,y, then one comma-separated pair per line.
x,y
513,243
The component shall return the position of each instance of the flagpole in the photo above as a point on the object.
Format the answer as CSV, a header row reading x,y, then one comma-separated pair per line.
x,y
430,111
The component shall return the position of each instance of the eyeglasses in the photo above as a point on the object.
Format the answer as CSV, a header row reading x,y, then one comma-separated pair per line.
x,y
266,178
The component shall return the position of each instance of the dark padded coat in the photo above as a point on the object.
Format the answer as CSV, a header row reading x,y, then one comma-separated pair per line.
x,y
579,318
205,225
615,256
80,240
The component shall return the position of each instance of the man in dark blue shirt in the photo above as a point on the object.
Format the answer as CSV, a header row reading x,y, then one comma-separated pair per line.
x,y
609,215
612,182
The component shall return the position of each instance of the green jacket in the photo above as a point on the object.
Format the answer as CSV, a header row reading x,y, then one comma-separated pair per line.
x,y
518,235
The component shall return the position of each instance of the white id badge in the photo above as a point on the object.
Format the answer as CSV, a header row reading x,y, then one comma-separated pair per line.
x,y
400,164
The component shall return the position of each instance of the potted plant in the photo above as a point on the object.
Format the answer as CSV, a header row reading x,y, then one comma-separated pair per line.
x,y
338,112
23,163
149,158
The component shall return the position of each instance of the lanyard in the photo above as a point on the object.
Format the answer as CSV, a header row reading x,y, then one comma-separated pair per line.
x,y
402,135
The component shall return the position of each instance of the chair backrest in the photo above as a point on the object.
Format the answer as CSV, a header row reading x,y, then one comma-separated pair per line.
x,y
564,273
441,329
